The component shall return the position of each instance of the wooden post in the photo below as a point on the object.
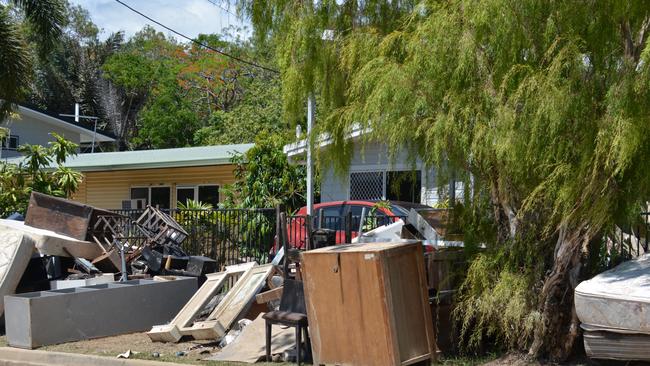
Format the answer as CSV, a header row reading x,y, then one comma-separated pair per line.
x,y
278,227
284,241
308,229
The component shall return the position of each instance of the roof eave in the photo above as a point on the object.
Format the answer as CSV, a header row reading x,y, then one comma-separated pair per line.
x,y
52,120
300,147
158,165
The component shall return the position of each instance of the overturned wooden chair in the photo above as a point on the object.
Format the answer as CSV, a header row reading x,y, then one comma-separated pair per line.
x,y
292,313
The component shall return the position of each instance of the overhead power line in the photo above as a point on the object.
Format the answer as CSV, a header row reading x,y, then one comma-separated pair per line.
x,y
215,3
197,42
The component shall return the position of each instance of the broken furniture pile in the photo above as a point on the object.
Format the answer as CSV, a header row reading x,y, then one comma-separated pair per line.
x,y
62,263
363,304
136,248
216,310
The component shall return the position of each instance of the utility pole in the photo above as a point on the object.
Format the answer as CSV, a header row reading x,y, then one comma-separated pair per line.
x,y
310,163
76,119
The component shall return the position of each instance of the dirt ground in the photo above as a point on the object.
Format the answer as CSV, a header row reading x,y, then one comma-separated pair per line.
x,y
143,348
196,351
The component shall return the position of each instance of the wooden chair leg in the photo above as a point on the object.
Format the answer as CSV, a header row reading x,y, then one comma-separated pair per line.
x,y
298,343
268,341
307,342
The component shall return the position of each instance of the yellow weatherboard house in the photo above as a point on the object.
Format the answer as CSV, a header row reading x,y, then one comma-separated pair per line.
x,y
163,177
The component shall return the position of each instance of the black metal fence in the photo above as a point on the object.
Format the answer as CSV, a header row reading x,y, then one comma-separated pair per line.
x,y
229,236
622,243
346,227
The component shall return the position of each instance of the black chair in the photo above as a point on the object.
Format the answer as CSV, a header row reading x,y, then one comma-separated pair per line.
x,y
292,313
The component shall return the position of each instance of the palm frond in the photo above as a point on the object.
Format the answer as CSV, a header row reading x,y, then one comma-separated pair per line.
x,y
46,17
15,61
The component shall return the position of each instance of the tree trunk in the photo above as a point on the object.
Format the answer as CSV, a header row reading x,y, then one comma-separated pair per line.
x,y
560,325
504,215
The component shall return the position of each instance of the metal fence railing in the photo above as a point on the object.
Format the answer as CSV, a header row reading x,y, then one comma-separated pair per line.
x,y
229,236
622,243
345,226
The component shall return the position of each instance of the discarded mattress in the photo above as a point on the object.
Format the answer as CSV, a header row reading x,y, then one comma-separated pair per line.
x,y
618,299
620,345
15,252
48,242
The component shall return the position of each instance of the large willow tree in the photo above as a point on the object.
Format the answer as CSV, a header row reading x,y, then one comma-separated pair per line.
x,y
544,103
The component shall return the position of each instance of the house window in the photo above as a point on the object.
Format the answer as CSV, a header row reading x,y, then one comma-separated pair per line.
x,y
367,186
391,185
206,193
183,194
159,196
403,186
10,143
209,194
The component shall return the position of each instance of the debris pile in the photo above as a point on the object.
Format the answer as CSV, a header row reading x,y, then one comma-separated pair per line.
x,y
88,245
95,273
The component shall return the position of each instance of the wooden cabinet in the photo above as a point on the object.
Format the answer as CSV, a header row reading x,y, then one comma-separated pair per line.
x,y
367,304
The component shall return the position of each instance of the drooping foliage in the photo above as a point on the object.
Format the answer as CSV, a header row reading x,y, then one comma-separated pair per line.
x,y
543,104
41,170
265,178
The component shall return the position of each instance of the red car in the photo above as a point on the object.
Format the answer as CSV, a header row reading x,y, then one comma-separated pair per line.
x,y
332,215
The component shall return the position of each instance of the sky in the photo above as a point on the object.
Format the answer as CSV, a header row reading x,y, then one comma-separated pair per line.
x,y
189,17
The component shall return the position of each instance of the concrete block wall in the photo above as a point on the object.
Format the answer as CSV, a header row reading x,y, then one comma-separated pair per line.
x,y
49,317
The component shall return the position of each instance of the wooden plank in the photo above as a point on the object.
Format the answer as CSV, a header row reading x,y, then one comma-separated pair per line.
x,y
233,306
108,262
172,332
270,295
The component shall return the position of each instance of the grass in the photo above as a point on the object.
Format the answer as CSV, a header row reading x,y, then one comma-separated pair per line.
x,y
466,360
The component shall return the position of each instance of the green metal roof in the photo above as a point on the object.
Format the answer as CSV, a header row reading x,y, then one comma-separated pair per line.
x,y
147,159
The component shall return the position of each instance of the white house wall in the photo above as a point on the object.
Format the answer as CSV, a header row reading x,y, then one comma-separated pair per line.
x,y
374,157
32,131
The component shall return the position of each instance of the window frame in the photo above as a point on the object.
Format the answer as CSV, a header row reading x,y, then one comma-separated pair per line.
x,y
149,187
196,191
195,188
6,142
384,172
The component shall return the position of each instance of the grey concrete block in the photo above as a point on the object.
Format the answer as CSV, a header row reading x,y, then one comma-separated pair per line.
x,y
48,317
